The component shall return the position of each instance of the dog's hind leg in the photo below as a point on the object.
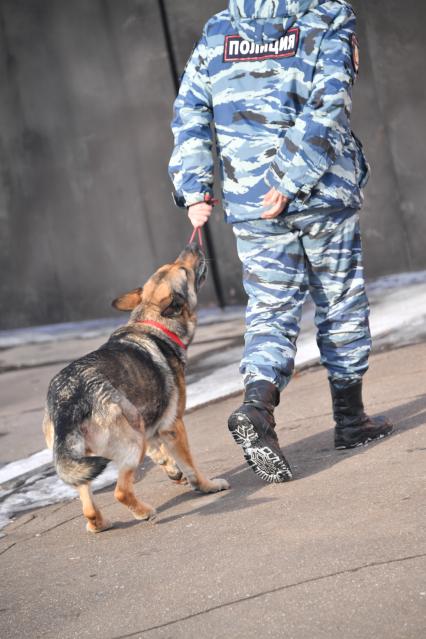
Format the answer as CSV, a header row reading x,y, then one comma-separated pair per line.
x,y
176,442
158,453
124,493
95,522
127,448
48,430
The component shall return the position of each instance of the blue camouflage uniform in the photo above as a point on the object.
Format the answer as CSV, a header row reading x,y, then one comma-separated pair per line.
x,y
274,78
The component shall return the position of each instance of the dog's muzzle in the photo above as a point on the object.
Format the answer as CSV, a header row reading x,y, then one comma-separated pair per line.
x,y
199,264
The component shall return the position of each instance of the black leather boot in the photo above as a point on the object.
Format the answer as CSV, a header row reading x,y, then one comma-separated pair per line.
x,y
252,426
353,426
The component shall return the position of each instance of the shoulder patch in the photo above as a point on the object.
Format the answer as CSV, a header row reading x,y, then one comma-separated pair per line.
x,y
236,49
355,52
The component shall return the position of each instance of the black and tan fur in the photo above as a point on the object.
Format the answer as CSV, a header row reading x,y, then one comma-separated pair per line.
x,y
128,397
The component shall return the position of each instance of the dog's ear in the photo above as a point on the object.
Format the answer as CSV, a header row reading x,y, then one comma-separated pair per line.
x,y
175,307
128,301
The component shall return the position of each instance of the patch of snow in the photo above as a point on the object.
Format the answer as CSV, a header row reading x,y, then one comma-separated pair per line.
x,y
41,491
398,309
98,328
58,332
16,469
397,281
398,314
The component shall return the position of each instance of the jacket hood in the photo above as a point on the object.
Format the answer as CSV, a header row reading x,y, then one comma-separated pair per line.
x,y
267,20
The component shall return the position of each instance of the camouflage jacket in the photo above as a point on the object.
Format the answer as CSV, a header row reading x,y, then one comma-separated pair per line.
x,y
275,78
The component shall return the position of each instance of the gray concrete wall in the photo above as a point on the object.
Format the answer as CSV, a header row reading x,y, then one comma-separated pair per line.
x,y
84,141
390,115
85,208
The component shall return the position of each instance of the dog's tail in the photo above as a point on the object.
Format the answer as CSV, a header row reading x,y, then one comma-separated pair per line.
x,y
73,466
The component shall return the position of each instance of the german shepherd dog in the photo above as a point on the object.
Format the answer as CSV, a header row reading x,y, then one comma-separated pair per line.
x,y
128,397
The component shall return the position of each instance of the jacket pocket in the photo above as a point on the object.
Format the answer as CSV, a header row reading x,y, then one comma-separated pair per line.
x,y
362,168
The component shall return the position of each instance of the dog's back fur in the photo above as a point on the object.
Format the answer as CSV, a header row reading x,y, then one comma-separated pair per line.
x,y
132,374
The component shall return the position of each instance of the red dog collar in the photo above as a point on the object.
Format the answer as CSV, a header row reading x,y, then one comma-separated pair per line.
x,y
175,338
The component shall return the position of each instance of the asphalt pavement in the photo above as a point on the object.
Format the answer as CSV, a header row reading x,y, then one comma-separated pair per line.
x,y
340,552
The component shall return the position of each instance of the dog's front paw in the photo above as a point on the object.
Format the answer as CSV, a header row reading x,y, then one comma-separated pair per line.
x,y
98,527
183,481
215,486
144,514
221,484
176,476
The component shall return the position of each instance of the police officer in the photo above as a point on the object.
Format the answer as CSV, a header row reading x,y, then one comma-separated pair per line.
x,y
275,79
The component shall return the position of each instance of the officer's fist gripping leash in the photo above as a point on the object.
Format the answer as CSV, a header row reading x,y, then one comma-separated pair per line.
x,y
210,201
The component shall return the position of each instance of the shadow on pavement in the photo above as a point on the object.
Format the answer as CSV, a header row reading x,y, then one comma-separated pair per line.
x,y
307,457
316,453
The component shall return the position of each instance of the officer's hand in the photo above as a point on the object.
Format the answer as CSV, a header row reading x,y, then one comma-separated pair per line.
x,y
199,213
277,201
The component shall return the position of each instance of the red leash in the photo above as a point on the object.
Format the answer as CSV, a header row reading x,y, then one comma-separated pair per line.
x,y
200,237
175,338
197,229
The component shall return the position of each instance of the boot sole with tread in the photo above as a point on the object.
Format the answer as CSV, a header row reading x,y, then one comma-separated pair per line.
x,y
266,462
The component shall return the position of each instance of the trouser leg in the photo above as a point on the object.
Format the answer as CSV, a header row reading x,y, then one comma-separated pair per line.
x,y
336,281
334,264
275,282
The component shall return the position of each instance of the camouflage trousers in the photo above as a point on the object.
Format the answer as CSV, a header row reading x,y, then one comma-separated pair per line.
x,y
283,260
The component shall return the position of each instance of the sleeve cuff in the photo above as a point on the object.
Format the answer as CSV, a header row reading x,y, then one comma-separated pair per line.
x,y
183,201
